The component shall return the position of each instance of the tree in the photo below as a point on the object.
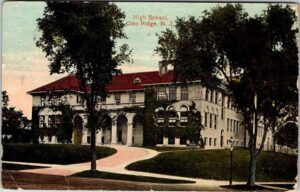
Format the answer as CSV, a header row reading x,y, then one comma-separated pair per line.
x,y
288,135
80,38
247,54
13,120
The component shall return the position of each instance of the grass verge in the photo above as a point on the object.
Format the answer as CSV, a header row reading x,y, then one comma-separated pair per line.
x,y
165,149
52,153
17,167
114,176
215,164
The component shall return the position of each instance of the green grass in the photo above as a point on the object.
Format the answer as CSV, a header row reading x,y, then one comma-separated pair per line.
x,y
52,153
12,166
164,149
215,164
114,176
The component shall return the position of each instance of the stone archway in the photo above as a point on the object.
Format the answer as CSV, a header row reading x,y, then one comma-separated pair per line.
x,y
77,131
106,130
122,129
137,135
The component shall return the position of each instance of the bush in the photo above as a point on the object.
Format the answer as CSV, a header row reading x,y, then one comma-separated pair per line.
x,y
52,153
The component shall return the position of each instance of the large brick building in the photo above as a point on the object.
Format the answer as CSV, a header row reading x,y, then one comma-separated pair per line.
x,y
221,119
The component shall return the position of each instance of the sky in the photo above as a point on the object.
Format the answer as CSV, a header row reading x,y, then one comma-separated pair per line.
x,y
24,66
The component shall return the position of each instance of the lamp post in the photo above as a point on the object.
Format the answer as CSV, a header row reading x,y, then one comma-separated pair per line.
x,y
231,152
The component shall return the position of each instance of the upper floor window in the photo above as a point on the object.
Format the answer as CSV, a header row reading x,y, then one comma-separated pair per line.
x,y
228,124
162,94
184,93
78,99
212,96
132,97
216,97
211,119
43,100
172,117
117,98
172,93
206,94
51,121
205,119
215,121
160,118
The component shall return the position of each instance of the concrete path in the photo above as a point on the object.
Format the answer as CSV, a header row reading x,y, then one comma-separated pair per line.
x,y
116,164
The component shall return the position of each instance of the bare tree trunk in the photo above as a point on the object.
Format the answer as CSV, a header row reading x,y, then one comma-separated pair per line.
x,y
252,167
93,149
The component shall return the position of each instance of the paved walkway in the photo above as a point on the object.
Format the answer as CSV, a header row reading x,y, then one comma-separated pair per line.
x,y
116,164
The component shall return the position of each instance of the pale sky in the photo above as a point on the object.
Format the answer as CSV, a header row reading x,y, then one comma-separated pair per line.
x,y
25,67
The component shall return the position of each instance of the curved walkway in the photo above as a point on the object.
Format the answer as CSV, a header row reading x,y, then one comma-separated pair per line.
x,y
116,164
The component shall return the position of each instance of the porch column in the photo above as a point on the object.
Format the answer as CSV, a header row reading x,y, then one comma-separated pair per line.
x,y
129,133
114,133
129,117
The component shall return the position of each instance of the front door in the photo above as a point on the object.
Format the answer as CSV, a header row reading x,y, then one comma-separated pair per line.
x,y
119,135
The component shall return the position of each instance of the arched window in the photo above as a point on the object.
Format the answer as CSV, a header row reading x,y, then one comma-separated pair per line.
x,y
183,115
160,116
137,80
172,116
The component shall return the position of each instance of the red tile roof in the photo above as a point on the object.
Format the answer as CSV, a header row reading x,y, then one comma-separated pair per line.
x,y
119,82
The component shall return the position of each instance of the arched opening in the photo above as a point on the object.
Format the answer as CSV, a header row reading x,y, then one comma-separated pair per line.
x,y
222,138
106,129
137,136
183,115
122,129
77,132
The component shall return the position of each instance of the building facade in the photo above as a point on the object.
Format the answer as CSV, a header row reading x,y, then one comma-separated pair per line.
x,y
222,122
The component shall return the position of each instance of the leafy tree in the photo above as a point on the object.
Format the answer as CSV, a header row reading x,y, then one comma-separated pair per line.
x,y
194,126
254,57
13,120
287,135
80,38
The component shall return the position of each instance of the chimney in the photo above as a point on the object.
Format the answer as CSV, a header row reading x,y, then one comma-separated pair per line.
x,y
163,69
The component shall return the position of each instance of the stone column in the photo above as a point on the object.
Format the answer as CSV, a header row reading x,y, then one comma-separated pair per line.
x,y
177,141
129,133
114,133
53,139
165,140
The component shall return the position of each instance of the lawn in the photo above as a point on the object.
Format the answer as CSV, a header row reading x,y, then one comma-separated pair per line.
x,y
164,149
12,166
114,176
52,153
215,164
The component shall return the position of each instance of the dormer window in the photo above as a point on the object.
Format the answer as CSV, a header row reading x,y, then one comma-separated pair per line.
x,y
137,80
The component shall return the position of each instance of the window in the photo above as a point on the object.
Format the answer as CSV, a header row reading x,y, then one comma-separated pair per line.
x,y
162,94
205,140
132,97
227,124
183,116
43,100
137,80
231,123
222,113
172,118
211,119
78,99
118,98
206,94
103,99
210,141
228,103
216,97
51,121
58,120
215,122
223,100
205,119
172,93
160,118
184,93
171,140
42,121
215,142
